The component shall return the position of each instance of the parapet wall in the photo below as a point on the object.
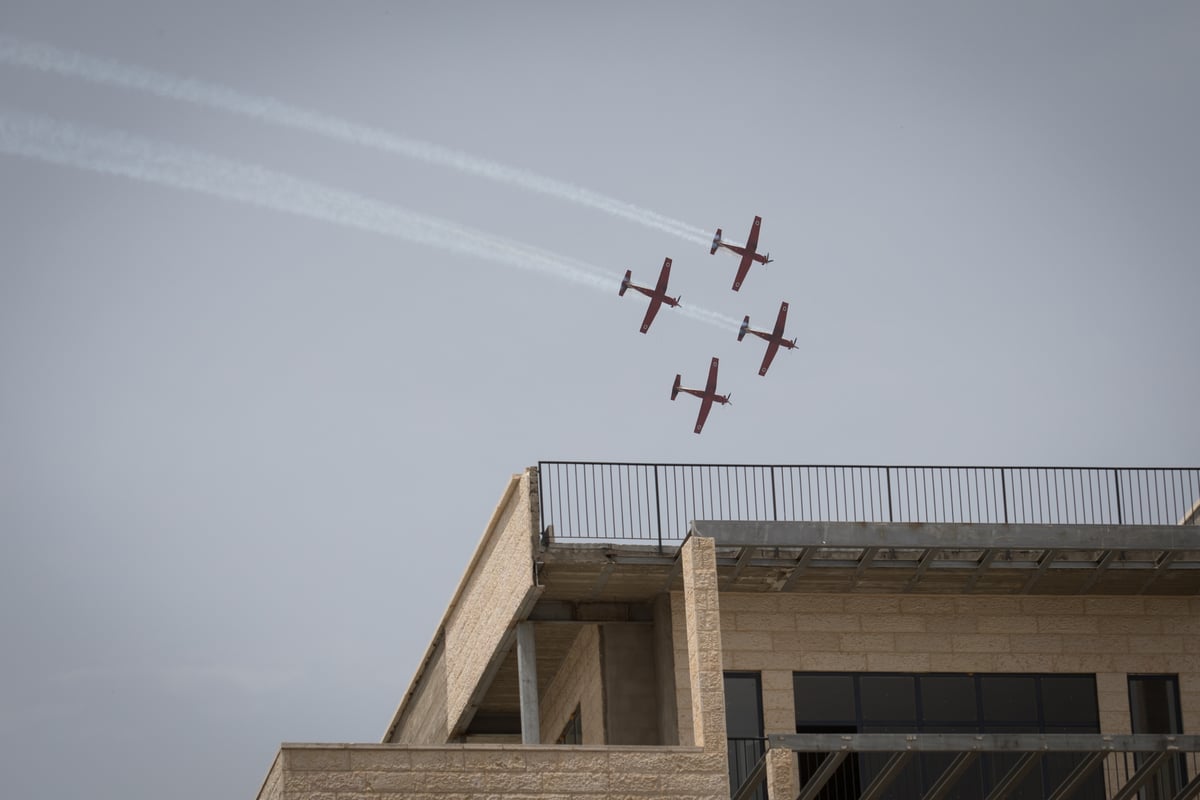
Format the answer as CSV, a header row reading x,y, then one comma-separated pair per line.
x,y
476,772
495,592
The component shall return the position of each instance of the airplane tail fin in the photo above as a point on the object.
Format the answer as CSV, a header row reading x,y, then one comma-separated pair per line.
x,y
675,388
744,329
625,283
716,242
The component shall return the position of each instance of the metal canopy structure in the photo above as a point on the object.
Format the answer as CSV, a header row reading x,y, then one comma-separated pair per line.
x,y
1156,766
957,558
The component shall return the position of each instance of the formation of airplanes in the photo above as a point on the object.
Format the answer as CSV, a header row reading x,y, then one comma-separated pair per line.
x,y
658,297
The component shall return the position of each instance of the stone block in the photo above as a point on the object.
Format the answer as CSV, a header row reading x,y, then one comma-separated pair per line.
x,y
1114,606
1036,643
1068,624
962,662
1155,644
298,758
776,621
872,604
899,662
895,623
838,623
867,643
812,603
1007,624
988,604
806,641
1077,643
1052,605
938,606
1025,662
833,662
376,759
980,643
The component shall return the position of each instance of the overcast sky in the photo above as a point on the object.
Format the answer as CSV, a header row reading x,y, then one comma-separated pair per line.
x,y
271,344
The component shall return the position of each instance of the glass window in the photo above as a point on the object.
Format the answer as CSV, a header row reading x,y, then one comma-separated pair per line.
x,y
824,698
888,697
1154,708
743,705
1069,699
948,699
573,731
744,727
1009,698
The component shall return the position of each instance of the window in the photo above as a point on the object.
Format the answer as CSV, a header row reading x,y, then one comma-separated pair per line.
x,y
946,703
573,732
744,726
1154,708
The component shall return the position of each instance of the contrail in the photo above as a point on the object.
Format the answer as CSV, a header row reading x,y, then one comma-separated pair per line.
x,y
116,153
34,55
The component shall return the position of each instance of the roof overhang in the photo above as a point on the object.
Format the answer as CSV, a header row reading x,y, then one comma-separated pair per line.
x,y
949,558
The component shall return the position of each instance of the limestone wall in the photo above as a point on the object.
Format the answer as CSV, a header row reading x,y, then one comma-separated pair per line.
x,y
426,720
1111,637
630,683
577,684
476,772
494,593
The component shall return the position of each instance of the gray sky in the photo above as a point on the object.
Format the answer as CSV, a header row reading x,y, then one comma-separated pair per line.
x,y
253,427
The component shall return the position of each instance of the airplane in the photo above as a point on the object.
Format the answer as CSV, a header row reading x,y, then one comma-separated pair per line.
x,y
775,338
707,395
657,295
747,253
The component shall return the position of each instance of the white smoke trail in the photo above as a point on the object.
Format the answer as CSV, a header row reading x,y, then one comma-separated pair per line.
x,y
45,57
116,153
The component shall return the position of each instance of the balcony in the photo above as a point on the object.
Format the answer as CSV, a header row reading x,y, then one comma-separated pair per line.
x,y
991,766
655,503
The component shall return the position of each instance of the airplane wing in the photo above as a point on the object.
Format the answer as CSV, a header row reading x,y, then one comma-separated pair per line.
x,y
655,304
743,269
705,407
772,349
752,239
710,391
663,276
781,320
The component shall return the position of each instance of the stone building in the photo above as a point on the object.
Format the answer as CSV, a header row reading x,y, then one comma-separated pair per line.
x,y
638,631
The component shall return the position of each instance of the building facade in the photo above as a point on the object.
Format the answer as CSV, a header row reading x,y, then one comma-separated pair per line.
x,y
821,632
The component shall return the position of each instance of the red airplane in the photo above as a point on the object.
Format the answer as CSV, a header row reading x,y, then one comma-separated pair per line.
x,y
775,338
657,295
747,253
707,395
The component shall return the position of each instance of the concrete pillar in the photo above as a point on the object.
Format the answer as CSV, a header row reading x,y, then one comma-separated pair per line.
x,y
703,619
783,775
527,681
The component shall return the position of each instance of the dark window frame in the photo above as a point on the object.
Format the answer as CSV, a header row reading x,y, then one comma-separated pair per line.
x,y
572,732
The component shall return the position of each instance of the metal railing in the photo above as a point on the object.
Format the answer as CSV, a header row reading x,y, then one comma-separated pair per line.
x,y
655,502
1077,766
744,755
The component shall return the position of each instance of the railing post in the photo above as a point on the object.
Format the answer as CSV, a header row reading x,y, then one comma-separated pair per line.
x,y
1117,483
774,511
541,500
888,471
1004,495
657,508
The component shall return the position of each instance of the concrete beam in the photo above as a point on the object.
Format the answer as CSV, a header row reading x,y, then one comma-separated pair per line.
x,y
919,535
